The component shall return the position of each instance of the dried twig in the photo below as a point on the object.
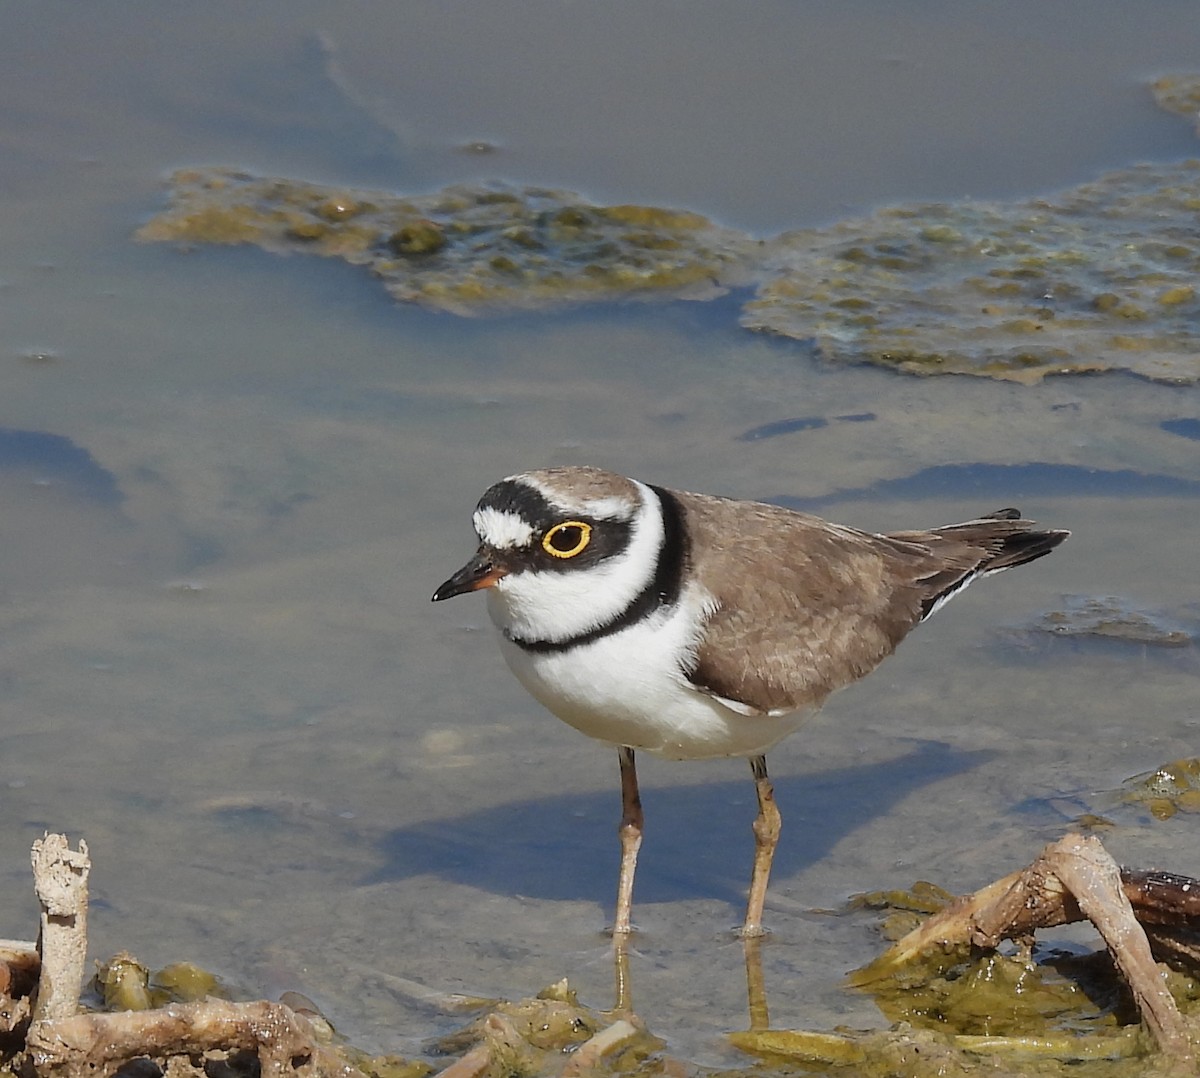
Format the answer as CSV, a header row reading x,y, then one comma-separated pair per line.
x,y
19,968
60,877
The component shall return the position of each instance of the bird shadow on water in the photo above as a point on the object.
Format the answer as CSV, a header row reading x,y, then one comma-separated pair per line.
x,y
698,842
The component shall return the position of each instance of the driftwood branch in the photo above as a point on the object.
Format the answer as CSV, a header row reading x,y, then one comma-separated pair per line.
x,y
1072,879
1091,875
100,1044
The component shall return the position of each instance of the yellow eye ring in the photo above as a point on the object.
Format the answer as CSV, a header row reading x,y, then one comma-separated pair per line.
x,y
572,537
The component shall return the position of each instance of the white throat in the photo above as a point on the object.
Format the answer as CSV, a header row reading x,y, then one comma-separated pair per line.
x,y
556,605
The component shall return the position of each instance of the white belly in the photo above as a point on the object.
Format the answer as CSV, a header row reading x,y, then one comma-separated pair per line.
x,y
626,689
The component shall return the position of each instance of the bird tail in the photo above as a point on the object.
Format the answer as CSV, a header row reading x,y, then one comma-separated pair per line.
x,y
989,544
1008,538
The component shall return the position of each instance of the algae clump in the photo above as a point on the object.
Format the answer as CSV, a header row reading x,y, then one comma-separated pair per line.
x,y
1100,277
467,249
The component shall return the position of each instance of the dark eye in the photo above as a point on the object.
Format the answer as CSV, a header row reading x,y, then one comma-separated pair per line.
x,y
567,539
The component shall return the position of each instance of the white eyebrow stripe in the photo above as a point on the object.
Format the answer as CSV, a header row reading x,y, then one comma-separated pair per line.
x,y
500,529
613,507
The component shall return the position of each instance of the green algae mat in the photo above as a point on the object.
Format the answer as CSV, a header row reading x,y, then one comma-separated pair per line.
x,y
1100,277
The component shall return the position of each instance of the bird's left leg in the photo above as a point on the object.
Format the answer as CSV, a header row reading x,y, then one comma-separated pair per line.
x,y
767,825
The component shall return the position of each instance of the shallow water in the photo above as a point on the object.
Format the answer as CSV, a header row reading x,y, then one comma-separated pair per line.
x,y
232,481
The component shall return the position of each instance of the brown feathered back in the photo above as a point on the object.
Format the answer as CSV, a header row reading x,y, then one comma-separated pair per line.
x,y
830,602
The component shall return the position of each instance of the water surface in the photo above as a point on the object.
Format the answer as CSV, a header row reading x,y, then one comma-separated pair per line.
x,y
238,479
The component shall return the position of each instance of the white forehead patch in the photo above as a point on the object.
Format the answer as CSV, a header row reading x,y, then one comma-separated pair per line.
x,y
500,529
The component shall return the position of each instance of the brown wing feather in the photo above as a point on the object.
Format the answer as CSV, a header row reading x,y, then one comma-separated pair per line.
x,y
831,602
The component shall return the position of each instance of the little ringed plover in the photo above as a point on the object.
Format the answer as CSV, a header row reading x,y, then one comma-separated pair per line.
x,y
693,626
